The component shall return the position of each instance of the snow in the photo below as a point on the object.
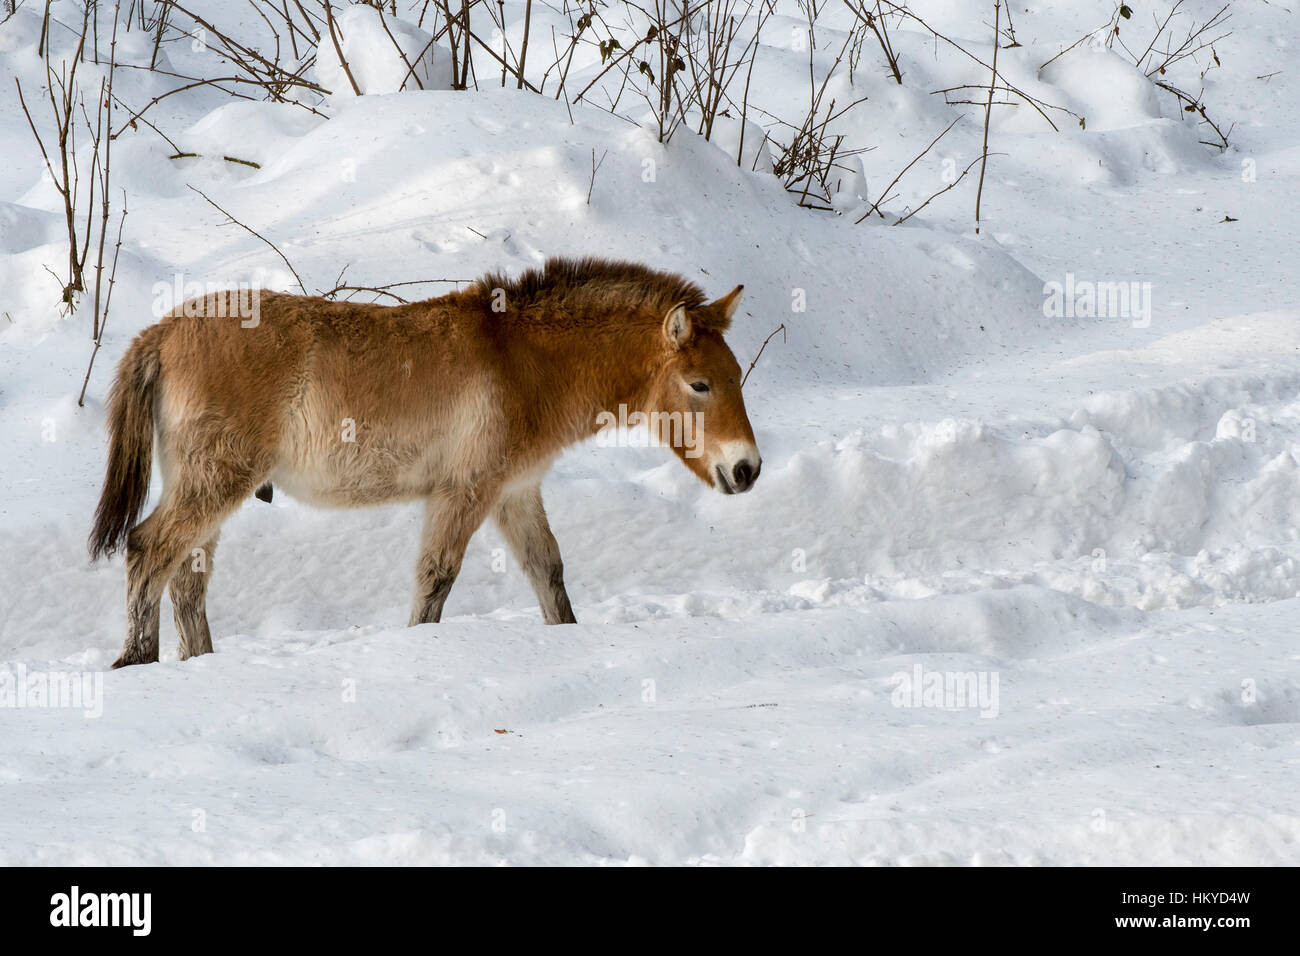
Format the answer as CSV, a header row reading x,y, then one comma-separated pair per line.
x,y
1104,87
1090,516
383,54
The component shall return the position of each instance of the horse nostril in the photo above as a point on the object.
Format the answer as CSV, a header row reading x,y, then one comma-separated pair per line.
x,y
743,475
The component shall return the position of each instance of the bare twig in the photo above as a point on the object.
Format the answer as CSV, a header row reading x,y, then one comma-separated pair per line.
x,y
936,195
338,49
108,299
1194,42
1039,106
619,60
884,196
65,99
523,44
382,290
253,232
106,106
276,80
810,156
1193,104
595,168
876,23
988,111
780,328
397,47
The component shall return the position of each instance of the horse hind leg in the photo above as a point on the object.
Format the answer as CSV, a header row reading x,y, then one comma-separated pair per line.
x,y
188,588
141,645
153,549
190,513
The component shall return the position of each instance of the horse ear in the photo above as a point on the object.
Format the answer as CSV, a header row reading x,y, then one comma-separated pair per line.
x,y
727,306
677,326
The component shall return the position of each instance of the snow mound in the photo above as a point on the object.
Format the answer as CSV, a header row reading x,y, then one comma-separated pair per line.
x,y
252,131
1108,91
22,227
384,54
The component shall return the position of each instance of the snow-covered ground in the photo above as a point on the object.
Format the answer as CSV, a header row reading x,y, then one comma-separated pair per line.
x,y
1086,521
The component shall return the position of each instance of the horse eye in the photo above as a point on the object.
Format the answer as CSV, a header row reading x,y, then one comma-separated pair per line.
x,y
700,386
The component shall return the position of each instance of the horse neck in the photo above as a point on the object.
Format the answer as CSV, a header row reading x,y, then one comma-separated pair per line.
x,y
601,371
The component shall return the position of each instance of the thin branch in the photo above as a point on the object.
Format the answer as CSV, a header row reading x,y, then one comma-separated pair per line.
x,y
780,328
334,37
595,168
108,299
988,112
875,207
255,233
936,195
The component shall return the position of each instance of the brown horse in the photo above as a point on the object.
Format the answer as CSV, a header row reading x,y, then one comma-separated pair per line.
x,y
462,401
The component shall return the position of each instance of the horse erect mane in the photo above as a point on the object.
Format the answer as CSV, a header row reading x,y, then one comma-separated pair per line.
x,y
600,285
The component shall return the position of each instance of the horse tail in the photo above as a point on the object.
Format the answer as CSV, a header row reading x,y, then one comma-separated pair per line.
x,y
130,447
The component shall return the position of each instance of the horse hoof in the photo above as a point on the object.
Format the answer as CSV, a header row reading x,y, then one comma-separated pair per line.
x,y
125,661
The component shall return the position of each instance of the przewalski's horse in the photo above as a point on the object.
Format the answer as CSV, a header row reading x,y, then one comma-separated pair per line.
x,y
462,401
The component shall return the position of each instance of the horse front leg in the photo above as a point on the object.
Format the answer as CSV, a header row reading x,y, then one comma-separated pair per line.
x,y
450,520
522,519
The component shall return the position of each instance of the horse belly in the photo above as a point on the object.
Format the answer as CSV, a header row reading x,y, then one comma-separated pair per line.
x,y
333,460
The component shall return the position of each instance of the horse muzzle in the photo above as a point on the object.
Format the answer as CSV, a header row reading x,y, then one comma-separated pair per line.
x,y
739,478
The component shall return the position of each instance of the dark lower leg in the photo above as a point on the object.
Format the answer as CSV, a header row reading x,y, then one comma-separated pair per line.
x,y
154,551
141,645
432,585
522,519
188,588
449,522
